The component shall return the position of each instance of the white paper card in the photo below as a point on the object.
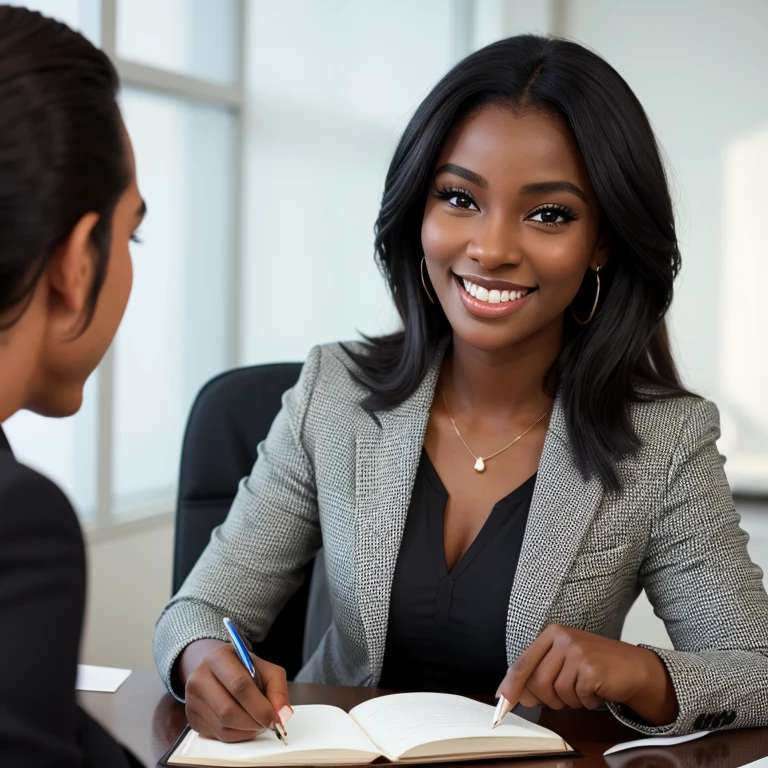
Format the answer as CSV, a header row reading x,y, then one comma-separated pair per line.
x,y
104,679
761,763
656,741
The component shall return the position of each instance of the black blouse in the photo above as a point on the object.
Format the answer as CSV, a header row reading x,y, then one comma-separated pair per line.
x,y
447,629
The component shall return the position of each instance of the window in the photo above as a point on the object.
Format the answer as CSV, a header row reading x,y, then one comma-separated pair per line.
x,y
175,333
190,37
179,62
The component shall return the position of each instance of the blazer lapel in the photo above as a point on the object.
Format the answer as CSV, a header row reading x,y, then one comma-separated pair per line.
x,y
562,510
388,454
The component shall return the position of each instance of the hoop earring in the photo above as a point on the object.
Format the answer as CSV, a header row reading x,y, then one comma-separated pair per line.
x,y
594,306
423,282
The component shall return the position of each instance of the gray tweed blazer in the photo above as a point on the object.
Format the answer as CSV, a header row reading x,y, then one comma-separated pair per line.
x,y
330,474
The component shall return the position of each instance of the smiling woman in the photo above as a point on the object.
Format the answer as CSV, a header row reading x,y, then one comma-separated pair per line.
x,y
495,484
545,233
552,164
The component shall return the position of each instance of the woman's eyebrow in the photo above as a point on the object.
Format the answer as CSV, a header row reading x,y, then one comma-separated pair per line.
x,y
465,173
536,188
545,187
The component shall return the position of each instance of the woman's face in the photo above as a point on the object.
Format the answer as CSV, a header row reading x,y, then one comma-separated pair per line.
x,y
510,228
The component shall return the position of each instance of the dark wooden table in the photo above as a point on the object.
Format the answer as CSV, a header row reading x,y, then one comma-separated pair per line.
x,y
143,716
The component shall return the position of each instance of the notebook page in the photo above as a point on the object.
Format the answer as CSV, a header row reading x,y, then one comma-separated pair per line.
x,y
401,721
313,728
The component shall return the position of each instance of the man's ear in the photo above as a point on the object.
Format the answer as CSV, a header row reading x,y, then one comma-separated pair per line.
x,y
72,269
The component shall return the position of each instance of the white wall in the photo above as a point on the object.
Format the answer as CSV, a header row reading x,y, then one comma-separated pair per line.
x,y
129,583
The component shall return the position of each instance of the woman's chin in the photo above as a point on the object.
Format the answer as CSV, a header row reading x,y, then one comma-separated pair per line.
x,y
484,334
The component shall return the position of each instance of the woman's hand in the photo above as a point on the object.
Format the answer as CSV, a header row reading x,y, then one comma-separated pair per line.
x,y
223,701
567,667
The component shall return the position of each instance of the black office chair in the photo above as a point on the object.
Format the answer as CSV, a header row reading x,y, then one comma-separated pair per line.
x,y
230,417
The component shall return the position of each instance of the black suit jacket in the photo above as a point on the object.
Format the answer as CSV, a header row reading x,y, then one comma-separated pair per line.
x,y
42,602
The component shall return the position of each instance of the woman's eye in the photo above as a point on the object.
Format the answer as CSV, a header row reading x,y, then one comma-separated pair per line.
x,y
551,216
458,198
461,201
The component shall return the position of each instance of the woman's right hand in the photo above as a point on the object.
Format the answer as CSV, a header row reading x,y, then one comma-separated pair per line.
x,y
223,701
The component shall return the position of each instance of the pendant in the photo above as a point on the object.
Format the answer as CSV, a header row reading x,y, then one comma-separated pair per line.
x,y
479,465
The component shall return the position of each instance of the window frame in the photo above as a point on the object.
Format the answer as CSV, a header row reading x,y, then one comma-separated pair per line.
x,y
105,524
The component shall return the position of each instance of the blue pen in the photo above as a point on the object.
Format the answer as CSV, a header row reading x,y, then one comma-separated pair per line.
x,y
245,658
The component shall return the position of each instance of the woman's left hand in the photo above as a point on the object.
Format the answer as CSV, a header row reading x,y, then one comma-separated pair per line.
x,y
566,667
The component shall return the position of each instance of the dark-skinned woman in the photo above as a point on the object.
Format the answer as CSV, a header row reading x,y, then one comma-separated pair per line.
x,y
494,484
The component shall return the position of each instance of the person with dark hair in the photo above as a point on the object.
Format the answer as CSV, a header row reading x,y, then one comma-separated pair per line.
x,y
494,484
69,206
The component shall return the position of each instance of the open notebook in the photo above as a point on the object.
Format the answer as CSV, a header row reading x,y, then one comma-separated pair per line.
x,y
402,727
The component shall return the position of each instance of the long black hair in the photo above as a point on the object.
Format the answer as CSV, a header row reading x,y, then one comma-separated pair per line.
x,y
623,354
62,151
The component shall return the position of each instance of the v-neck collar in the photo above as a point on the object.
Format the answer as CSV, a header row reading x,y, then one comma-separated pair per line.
x,y
490,527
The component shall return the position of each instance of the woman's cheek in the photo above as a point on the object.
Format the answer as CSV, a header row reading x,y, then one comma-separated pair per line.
x,y
440,236
560,261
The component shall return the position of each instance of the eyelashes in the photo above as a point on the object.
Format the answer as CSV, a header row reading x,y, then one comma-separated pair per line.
x,y
557,210
451,193
136,238
551,214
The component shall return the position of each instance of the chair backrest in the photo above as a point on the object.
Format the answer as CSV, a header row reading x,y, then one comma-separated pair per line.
x,y
230,417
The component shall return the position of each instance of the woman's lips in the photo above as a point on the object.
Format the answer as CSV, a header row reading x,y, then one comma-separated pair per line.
x,y
486,309
489,284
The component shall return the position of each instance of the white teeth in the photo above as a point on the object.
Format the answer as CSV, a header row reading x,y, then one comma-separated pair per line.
x,y
492,297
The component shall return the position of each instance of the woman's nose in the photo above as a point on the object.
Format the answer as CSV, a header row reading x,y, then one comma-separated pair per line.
x,y
495,242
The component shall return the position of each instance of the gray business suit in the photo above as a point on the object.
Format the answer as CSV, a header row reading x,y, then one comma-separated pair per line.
x,y
329,472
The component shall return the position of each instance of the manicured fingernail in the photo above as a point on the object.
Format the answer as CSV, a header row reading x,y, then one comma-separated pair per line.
x,y
285,714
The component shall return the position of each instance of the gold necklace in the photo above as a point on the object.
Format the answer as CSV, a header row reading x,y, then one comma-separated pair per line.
x,y
479,460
